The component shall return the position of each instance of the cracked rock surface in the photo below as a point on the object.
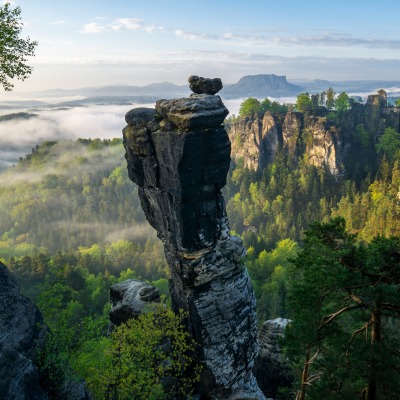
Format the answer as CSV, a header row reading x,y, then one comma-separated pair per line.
x,y
179,155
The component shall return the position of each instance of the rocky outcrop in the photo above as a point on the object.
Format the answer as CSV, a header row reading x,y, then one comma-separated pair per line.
x,y
373,119
131,298
291,132
179,155
257,141
272,369
323,146
201,85
21,329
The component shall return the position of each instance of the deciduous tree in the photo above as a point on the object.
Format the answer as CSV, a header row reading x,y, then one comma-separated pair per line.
x,y
304,102
330,98
14,50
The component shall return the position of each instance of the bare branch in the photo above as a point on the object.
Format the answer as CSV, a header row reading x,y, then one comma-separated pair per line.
x,y
326,320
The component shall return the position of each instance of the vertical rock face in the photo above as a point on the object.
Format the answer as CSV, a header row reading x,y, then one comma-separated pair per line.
x,y
179,155
322,146
20,330
256,141
291,132
272,369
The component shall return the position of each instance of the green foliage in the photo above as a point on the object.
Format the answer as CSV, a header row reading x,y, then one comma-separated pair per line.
x,y
342,102
397,103
252,107
249,107
362,136
330,98
151,358
304,103
13,48
389,143
68,335
280,204
265,106
146,358
268,272
344,301
69,195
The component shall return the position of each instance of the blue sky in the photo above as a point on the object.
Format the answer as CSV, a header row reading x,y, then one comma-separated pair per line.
x,y
96,43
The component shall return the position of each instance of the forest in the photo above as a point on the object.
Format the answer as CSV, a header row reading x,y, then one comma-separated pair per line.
x,y
71,225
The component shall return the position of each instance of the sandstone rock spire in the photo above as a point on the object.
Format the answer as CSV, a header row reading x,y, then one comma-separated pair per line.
x,y
179,155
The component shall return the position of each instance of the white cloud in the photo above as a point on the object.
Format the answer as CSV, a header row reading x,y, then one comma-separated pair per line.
x,y
323,39
93,27
120,24
130,24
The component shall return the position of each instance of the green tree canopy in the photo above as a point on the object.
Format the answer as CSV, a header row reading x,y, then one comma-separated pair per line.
x,y
151,358
330,98
304,102
389,143
342,102
346,306
362,136
13,48
249,107
265,105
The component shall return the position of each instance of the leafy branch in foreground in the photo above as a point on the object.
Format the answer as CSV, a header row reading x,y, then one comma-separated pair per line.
x,y
152,358
14,50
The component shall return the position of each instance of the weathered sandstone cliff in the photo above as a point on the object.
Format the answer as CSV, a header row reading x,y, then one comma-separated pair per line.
x,y
257,141
327,143
179,156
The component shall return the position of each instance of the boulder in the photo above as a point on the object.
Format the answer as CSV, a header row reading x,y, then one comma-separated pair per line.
x,y
272,369
201,85
131,298
199,111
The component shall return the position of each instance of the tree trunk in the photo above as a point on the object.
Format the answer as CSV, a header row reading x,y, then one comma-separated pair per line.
x,y
304,375
372,392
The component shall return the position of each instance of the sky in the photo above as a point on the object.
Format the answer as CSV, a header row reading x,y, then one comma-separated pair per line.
x,y
97,43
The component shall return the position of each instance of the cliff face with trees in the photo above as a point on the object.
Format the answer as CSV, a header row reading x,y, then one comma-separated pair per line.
x,y
328,139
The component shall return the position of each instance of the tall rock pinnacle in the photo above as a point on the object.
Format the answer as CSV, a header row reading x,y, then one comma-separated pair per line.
x,y
179,155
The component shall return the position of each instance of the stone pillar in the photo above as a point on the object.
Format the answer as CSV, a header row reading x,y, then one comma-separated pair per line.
x,y
179,155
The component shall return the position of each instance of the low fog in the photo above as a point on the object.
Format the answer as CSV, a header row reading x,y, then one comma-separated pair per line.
x,y
18,137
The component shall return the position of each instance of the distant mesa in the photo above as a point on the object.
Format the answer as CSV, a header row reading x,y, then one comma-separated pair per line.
x,y
200,85
261,86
